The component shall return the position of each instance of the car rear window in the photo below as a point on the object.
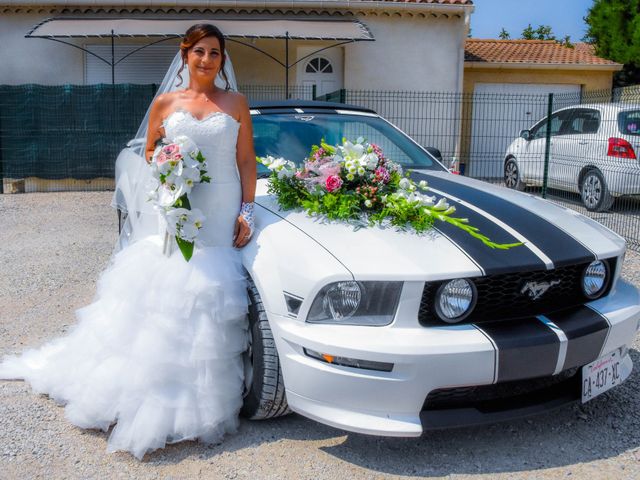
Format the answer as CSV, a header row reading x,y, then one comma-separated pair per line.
x,y
629,122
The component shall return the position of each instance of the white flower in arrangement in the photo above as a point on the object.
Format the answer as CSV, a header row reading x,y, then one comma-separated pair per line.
x,y
190,176
352,150
404,184
286,173
371,161
350,176
187,146
441,205
367,203
184,223
361,171
427,201
422,184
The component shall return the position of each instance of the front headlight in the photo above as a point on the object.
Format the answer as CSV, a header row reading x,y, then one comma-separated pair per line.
x,y
356,303
595,279
455,300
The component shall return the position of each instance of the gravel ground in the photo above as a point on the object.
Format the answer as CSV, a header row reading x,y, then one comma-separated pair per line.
x,y
52,248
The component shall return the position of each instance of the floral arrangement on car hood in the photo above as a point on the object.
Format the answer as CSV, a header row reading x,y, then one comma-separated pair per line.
x,y
354,181
176,167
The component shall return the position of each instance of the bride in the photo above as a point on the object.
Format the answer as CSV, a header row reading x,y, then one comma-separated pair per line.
x,y
159,351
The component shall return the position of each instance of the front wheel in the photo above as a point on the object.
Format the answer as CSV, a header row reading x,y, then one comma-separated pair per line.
x,y
594,192
512,178
264,395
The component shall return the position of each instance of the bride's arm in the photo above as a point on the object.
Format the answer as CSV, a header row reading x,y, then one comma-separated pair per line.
x,y
246,160
155,130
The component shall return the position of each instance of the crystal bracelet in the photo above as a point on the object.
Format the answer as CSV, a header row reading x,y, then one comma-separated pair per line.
x,y
246,212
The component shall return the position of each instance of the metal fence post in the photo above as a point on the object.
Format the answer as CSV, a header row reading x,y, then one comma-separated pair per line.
x,y
1,162
343,95
547,146
313,92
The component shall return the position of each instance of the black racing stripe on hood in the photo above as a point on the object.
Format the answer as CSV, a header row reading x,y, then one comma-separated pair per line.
x,y
526,348
586,331
491,260
559,246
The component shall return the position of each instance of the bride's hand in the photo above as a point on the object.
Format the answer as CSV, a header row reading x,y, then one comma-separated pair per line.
x,y
241,232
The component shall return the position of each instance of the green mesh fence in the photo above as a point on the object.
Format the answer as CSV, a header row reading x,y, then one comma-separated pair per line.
x,y
58,132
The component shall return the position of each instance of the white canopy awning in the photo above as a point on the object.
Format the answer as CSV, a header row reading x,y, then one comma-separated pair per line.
x,y
302,29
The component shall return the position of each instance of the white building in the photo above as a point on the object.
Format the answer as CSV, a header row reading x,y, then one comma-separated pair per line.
x,y
416,45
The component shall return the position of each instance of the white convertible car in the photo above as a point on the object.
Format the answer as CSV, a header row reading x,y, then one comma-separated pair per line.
x,y
391,333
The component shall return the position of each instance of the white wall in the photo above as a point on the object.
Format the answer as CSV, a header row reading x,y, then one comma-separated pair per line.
x,y
408,54
35,60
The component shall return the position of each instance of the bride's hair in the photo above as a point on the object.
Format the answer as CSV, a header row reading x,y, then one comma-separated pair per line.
x,y
196,33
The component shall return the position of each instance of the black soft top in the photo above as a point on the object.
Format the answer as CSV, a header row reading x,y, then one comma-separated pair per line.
x,y
292,106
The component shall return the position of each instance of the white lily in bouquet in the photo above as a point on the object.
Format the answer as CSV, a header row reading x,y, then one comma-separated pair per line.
x,y
176,168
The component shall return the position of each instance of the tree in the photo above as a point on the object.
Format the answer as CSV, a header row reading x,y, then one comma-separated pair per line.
x,y
504,35
543,32
613,27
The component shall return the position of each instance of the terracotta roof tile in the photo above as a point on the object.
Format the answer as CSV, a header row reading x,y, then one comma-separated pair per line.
x,y
443,2
529,51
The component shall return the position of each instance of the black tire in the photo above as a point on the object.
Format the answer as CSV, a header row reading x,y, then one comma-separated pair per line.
x,y
264,387
512,178
594,192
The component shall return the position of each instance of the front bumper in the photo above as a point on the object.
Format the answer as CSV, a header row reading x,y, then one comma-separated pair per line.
x,y
429,359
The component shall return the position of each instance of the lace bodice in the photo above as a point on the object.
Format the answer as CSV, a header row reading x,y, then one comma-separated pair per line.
x,y
215,135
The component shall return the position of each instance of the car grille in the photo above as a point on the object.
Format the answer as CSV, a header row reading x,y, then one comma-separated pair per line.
x,y
500,297
502,395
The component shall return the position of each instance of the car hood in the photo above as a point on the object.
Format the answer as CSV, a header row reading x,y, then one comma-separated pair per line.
x,y
552,236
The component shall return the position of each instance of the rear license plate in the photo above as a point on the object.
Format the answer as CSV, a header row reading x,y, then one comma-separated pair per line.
x,y
601,375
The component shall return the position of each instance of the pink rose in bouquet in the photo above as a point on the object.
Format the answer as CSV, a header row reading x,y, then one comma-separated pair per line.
x,y
333,183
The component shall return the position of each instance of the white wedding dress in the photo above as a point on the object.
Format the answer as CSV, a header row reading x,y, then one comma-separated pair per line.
x,y
159,351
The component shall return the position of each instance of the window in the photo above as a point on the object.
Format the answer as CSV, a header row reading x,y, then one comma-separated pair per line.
x,y
629,122
583,121
319,65
558,120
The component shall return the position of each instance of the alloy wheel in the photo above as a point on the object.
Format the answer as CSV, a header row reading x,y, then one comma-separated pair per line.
x,y
511,175
591,191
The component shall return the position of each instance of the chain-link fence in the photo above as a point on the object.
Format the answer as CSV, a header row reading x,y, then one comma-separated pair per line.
x,y
585,157
67,137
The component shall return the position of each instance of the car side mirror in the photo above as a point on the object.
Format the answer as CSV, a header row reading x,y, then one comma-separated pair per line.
x,y
526,134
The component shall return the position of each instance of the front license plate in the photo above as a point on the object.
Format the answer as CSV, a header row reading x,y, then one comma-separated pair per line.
x,y
601,375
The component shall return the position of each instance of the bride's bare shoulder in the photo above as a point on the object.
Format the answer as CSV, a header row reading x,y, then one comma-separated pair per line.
x,y
238,103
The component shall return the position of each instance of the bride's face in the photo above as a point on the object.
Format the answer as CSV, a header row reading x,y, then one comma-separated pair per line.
x,y
204,59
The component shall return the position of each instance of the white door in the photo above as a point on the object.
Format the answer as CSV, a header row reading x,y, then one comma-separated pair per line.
x,y
324,69
500,111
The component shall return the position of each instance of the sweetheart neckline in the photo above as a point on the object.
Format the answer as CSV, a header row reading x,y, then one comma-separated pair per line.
x,y
199,120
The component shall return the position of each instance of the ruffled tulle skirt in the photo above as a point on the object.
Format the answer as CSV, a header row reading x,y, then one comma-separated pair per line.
x,y
158,352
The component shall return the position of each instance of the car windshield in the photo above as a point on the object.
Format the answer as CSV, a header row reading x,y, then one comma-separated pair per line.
x,y
291,136
629,122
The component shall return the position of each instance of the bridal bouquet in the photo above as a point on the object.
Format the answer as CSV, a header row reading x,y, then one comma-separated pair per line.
x,y
355,182
176,168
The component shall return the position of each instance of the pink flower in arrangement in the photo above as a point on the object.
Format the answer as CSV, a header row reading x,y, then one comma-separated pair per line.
x,y
382,175
170,149
162,158
329,169
333,183
378,151
319,153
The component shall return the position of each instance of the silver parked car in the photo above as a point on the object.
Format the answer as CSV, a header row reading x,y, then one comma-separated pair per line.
x,y
593,152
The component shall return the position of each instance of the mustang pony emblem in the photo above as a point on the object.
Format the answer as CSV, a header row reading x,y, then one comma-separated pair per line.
x,y
536,289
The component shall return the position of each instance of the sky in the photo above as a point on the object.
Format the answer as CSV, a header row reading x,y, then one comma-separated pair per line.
x,y
564,16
